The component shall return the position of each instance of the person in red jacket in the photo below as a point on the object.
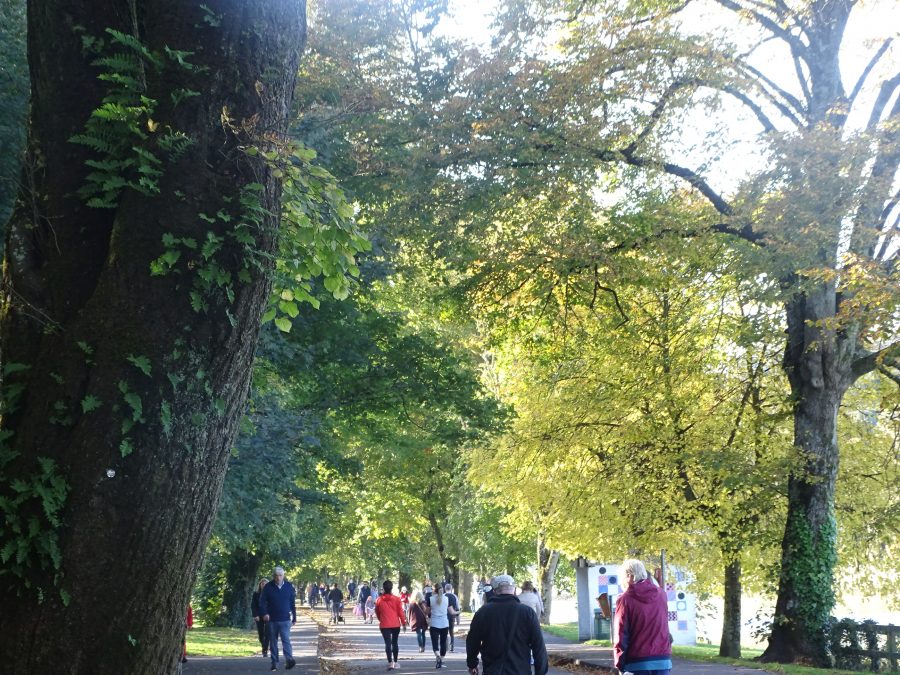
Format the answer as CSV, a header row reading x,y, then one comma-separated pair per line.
x,y
189,622
643,642
390,617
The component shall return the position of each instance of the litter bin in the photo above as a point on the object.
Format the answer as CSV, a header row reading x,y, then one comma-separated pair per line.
x,y
601,626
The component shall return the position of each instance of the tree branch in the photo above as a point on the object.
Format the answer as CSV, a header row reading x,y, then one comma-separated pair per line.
x,y
868,69
797,45
884,95
791,107
754,107
875,360
656,115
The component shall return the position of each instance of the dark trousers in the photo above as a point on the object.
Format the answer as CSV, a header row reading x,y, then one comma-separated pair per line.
x,y
437,633
391,646
262,627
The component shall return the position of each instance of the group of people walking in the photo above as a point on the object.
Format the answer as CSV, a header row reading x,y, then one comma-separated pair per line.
x,y
504,635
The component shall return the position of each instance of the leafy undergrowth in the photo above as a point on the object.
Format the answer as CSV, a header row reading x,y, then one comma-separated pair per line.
x,y
226,642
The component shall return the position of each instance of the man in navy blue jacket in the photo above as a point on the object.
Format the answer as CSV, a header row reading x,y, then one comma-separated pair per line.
x,y
278,605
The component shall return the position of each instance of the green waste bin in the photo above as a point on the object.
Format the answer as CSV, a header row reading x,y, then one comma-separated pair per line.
x,y
601,626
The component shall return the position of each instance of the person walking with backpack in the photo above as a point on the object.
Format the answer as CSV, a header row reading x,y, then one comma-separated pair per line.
x,y
506,634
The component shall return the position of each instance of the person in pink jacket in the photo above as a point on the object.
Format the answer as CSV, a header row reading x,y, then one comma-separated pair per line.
x,y
390,615
643,642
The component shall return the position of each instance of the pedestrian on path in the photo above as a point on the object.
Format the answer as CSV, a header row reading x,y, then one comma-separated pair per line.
x,y
390,617
643,642
439,614
262,628
278,604
336,602
189,623
530,597
364,593
506,634
418,620
454,605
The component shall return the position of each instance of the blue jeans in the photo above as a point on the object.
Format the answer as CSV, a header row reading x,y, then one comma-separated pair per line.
x,y
280,629
650,672
420,637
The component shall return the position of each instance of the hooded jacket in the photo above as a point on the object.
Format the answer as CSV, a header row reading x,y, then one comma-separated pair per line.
x,y
643,641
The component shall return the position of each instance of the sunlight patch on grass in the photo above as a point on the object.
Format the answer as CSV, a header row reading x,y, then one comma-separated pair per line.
x,y
225,642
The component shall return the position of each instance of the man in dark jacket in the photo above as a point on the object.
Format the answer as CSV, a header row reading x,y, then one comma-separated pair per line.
x,y
336,602
278,605
506,633
643,643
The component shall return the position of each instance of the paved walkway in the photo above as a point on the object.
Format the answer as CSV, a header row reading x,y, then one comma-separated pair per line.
x,y
355,646
304,640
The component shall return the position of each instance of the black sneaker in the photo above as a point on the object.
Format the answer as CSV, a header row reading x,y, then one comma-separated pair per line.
x,y
290,664
274,667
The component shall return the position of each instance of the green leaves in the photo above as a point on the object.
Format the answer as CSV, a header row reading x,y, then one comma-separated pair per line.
x,y
318,236
90,403
142,363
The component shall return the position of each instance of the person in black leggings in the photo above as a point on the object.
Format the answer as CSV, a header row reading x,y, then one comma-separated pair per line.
x,y
390,615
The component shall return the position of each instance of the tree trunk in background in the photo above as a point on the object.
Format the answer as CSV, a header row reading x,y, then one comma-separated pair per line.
x,y
465,590
404,579
121,400
548,561
450,564
241,577
730,645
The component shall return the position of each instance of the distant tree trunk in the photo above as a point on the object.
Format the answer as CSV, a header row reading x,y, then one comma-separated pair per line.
x,y
465,590
121,399
450,564
730,645
548,561
241,577
405,579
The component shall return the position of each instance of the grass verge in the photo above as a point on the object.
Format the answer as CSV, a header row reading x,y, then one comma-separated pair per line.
x,y
225,642
710,654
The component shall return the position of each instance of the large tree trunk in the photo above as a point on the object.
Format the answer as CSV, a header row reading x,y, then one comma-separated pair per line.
x,y
548,561
241,577
730,644
121,402
819,366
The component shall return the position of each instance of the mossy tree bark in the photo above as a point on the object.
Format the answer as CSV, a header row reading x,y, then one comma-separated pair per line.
x,y
133,395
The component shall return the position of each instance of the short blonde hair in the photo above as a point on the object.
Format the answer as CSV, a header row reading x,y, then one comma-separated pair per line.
x,y
635,568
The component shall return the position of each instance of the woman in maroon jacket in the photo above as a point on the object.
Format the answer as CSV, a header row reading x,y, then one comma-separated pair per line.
x,y
643,643
418,620
390,617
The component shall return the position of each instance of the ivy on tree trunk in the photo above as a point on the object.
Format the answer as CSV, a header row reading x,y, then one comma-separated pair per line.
x,y
122,390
